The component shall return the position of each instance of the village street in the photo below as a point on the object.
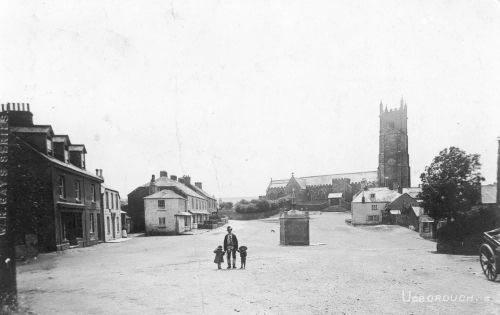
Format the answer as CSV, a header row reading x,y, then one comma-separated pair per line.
x,y
348,270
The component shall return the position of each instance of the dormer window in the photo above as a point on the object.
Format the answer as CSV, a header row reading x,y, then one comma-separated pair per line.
x,y
83,160
49,146
372,196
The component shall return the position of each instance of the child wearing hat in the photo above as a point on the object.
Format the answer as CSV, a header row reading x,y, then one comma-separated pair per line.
x,y
219,256
243,256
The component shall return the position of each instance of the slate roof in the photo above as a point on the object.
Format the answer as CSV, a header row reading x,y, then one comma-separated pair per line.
x,y
78,147
488,194
164,194
334,195
61,138
202,192
412,191
167,182
319,180
64,165
33,129
382,194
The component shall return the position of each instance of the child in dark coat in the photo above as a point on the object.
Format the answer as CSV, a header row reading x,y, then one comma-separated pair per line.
x,y
219,256
243,256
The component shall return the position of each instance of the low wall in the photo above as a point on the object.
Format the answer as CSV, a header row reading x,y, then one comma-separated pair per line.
x,y
233,215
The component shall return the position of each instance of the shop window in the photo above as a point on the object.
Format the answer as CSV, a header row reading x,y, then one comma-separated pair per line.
x,y
108,224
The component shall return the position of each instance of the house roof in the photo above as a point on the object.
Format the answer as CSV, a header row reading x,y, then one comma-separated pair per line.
x,y
381,194
334,195
202,192
199,211
395,211
184,214
61,138
319,180
164,181
489,194
106,187
164,194
78,147
33,129
412,191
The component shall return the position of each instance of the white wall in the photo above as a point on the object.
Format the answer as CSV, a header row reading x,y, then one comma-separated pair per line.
x,y
361,211
152,214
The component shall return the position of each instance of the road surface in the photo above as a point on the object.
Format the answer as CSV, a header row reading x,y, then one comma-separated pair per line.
x,y
348,270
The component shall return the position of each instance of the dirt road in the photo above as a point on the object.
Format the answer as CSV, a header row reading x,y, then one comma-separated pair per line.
x,y
358,270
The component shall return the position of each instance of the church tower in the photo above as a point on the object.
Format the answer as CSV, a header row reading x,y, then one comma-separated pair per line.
x,y
393,158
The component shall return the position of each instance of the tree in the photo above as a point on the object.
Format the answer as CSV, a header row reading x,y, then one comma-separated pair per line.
x,y
451,185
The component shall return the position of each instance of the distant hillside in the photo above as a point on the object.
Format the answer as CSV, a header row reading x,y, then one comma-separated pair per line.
x,y
236,199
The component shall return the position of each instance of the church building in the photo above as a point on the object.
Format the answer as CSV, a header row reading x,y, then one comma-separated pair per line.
x,y
335,192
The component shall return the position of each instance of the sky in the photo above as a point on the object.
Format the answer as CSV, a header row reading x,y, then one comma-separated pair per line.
x,y
234,93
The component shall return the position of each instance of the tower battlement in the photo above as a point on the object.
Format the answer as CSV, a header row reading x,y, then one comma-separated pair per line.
x,y
394,168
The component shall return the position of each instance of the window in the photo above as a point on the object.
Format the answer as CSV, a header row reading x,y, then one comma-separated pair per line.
x,y
374,207
62,187
372,195
92,192
117,202
66,156
185,221
83,160
192,203
108,224
49,146
78,194
373,218
112,200
107,200
161,204
161,221
92,223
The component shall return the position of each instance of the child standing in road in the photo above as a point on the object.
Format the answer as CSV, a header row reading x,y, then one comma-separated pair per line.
x,y
219,256
243,256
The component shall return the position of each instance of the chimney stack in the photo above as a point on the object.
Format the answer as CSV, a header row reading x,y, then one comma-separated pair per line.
x,y
153,179
152,188
96,172
173,177
186,179
199,185
163,174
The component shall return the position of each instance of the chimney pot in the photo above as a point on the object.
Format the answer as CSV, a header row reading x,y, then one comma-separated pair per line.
x,y
96,172
152,178
28,107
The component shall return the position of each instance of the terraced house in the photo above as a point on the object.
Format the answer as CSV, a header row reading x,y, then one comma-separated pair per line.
x,y
55,201
198,203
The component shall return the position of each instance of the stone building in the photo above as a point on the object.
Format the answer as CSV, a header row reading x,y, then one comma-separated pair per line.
x,y
312,192
197,203
111,213
166,213
53,199
369,205
393,165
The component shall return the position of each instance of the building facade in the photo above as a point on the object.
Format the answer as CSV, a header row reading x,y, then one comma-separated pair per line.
x,y
54,199
166,213
312,192
197,203
393,159
369,205
111,213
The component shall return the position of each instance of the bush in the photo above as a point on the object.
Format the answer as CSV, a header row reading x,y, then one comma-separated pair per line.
x,y
255,206
226,205
468,226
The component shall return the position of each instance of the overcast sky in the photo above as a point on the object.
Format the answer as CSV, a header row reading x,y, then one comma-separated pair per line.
x,y
236,92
